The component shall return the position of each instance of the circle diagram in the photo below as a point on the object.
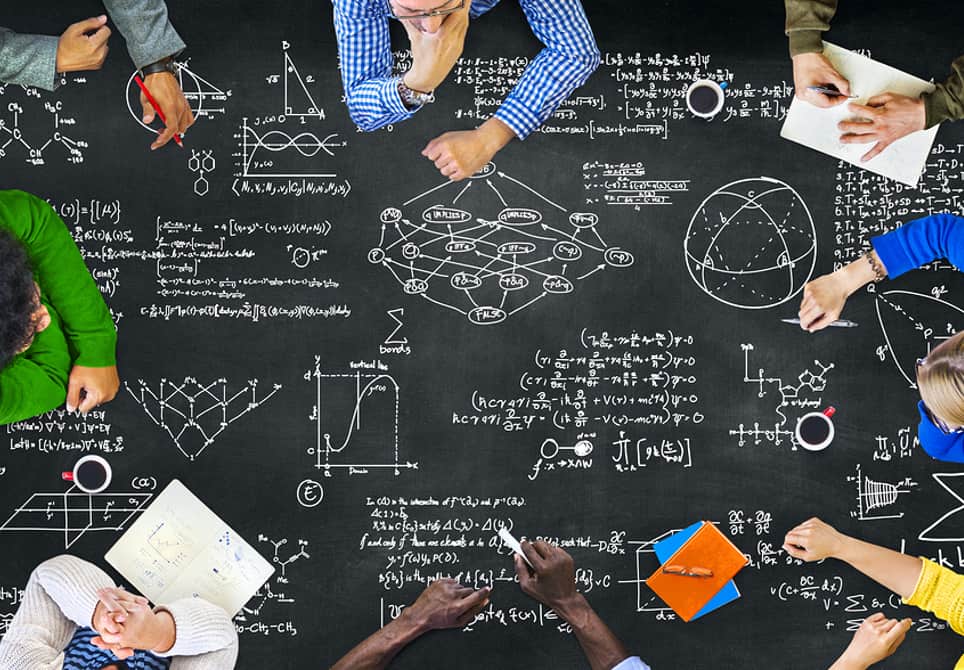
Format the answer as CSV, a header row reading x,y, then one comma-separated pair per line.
x,y
751,243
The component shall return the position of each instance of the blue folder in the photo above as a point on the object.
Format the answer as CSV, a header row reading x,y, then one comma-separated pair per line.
x,y
665,550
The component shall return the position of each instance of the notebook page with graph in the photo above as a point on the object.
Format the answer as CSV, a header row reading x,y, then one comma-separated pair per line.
x,y
179,548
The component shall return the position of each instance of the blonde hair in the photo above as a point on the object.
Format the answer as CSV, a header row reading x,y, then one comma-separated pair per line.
x,y
940,379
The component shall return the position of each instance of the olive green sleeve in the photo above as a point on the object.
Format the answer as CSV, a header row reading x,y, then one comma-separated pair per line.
x,y
807,20
36,381
946,102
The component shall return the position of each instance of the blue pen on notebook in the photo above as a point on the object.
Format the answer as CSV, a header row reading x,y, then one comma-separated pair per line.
x,y
840,323
827,90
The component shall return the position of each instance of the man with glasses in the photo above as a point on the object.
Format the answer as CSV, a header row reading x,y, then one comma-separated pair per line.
x,y
376,97
57,337
547,574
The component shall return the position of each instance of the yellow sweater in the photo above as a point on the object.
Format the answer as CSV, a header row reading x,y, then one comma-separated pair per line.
x,y
941,591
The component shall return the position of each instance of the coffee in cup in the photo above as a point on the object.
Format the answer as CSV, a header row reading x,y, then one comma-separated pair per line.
x,y
91,474
704,98
815,430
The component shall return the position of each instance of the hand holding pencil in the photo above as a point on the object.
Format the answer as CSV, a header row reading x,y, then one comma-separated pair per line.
x,y
161,97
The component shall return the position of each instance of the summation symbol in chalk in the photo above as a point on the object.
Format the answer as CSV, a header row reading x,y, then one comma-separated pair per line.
x,y
490,247
877,495
355,416
912,324
192,413
205,99
800,397
75,513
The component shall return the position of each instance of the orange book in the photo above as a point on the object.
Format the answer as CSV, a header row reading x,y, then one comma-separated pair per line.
x,y
697,571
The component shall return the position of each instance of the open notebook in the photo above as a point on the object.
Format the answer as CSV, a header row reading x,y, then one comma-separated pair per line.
x,y
816,128
179,548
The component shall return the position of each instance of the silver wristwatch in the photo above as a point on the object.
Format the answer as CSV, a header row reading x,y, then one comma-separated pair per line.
x,y
413,99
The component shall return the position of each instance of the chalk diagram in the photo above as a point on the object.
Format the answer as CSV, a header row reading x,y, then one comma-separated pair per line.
x,y
254,611
355,416
205,99
266,151
646,562
75,513
912,324
950,527
802,395
477,250
192,413
874,497
49,128
751,244
170,544
201,163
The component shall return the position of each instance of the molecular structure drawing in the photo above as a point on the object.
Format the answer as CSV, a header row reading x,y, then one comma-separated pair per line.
x,y
877,495
201,163
490,247
751,244
803,395
75,513
283,563
194,414
48,127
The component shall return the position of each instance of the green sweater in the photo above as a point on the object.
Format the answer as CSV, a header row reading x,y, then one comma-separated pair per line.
x,y
81,330
808,19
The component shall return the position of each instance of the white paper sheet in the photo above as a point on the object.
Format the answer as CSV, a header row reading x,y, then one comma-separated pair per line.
x,y
816,127
179,548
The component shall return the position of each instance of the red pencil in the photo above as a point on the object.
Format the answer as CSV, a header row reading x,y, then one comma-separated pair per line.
x,y
150,99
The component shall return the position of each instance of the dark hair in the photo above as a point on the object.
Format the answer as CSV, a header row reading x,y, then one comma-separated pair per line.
x,y
18,297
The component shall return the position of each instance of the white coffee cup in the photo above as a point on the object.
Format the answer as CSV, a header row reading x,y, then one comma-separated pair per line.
x,y
707,112
825,424
87,467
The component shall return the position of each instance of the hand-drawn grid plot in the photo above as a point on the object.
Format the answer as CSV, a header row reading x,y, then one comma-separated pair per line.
x,y
912,324
194,414
355,416
490,247
75,513
876,498
751,244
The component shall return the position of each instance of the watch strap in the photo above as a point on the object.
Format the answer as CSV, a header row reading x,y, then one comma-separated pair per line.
x,y
163,65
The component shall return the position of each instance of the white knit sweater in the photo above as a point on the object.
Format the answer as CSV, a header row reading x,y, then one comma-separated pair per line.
x,y
61,596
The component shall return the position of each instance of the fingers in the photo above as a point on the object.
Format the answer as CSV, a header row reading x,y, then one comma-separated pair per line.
x,y
856,127
842,85
87,25
163,137
874,618
875,150
880,100
535,558
91,399
475,598
74,387
433,150
475,604
858,138
148,109
99,38
865,111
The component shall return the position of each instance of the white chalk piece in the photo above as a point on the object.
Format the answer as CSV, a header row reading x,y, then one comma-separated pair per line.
x,y
513,544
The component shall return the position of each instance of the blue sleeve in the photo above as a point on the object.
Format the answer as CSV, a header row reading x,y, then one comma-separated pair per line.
x,y
938,445
920,242
633,663
365,55
569,57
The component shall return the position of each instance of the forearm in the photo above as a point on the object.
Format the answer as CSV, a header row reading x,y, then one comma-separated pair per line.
x,y
378,650
893,570
946,102
807,20
30,60
602,648
857,274
145,26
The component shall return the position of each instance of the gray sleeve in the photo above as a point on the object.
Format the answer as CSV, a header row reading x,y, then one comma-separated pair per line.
x,y
146,28
30,60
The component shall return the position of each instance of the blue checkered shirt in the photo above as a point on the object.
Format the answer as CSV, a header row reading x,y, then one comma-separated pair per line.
x,y
569,57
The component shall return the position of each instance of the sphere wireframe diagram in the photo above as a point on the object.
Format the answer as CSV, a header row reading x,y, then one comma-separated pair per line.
x,y
751,243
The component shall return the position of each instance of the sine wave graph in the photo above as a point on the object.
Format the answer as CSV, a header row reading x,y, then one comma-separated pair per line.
x,y
274,153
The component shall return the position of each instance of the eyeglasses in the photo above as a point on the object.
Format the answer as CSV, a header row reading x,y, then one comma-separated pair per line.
x,y
444,9
941,426
702,573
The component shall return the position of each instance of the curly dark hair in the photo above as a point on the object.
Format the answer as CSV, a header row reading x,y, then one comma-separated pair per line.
x,y
18,297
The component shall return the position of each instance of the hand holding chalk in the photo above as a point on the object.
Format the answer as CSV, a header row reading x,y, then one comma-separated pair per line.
x,y
513,544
